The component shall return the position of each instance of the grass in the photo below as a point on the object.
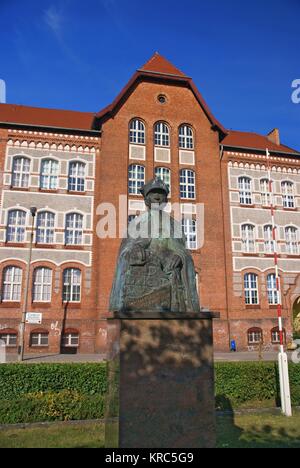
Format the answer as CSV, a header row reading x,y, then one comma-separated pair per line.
x,y
54,436
248,430
259,430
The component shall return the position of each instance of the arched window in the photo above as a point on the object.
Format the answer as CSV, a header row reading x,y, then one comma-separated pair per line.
x,y
70,339
76,176
72,285
251,289
74,229
164,174
189,227
16,226
12,284
161,134
137,132
272,289
269,240
49,174
186,137
248,237
245,191
136,179
265,192
42,285
20,172
187,184
39,338
291,238
255,336
287,190
9,337
275,336
45,228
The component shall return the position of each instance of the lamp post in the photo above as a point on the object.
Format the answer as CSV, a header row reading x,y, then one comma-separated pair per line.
x,y
33,211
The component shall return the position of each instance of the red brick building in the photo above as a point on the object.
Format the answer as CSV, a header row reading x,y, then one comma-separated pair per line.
x,y
66,164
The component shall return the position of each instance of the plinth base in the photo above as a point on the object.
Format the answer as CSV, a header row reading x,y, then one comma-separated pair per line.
x,y
166,383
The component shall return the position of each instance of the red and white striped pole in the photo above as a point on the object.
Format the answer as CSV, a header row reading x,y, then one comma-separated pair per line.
x,y
282,356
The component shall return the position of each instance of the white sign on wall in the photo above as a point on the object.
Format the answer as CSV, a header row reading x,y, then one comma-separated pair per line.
x,y
34,318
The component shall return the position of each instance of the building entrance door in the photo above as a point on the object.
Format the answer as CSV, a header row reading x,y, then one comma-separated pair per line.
x,y
296,319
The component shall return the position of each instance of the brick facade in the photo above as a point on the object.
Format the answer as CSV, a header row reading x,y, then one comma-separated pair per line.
x,y
101,143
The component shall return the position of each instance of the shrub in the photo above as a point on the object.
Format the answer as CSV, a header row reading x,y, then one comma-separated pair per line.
x,y
246,382
20,379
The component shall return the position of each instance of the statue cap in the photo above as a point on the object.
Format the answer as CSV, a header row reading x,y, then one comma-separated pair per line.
x,y
154,184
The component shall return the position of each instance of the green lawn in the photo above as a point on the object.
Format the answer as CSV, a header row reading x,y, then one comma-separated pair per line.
x,y
264,430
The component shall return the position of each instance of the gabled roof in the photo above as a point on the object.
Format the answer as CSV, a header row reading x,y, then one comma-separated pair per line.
x,y
159,64
248,140
158,68
41,117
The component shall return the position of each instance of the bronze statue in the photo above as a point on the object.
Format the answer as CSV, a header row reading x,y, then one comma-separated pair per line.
x,y
155,271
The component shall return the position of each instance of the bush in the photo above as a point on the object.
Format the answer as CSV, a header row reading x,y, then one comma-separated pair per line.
x,y
238,384
63,406
21,379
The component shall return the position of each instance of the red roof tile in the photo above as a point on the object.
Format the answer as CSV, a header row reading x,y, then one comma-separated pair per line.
x,y
158,64
35,116
255,141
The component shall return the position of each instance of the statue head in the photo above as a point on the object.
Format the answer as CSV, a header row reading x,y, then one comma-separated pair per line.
x,y
155,193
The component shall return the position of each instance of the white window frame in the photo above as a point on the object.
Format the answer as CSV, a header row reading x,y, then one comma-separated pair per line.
x,y
49,174
137,133
20,173
45,227
164,173
251,289
16,231
245,189
248,238
68,343
189,227
42,285
74,229
76,179
12,287
269,242
41,337
136,178
161,134
253,337
6,337
266,196
186,137
292,240
288,194
187,184
70,283
273,297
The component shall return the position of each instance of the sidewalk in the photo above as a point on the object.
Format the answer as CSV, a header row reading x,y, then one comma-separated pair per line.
x,y
85,358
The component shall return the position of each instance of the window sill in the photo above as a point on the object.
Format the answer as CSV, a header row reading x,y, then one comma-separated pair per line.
x,y
74,192
15,244
48,190
10,305
273,306
72,305
74,247
250,254
253,306
20,189
39,347
45,246
290,209
41,305
244,205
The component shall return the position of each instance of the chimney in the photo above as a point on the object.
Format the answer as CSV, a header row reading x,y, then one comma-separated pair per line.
x,y
274,136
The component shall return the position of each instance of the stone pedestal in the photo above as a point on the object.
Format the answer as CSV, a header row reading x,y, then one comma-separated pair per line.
x,y
166,380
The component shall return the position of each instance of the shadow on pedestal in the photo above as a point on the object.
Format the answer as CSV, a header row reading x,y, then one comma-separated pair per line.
x,y
161,381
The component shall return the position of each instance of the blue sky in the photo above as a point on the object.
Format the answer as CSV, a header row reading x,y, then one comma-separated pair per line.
x,y
76,54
